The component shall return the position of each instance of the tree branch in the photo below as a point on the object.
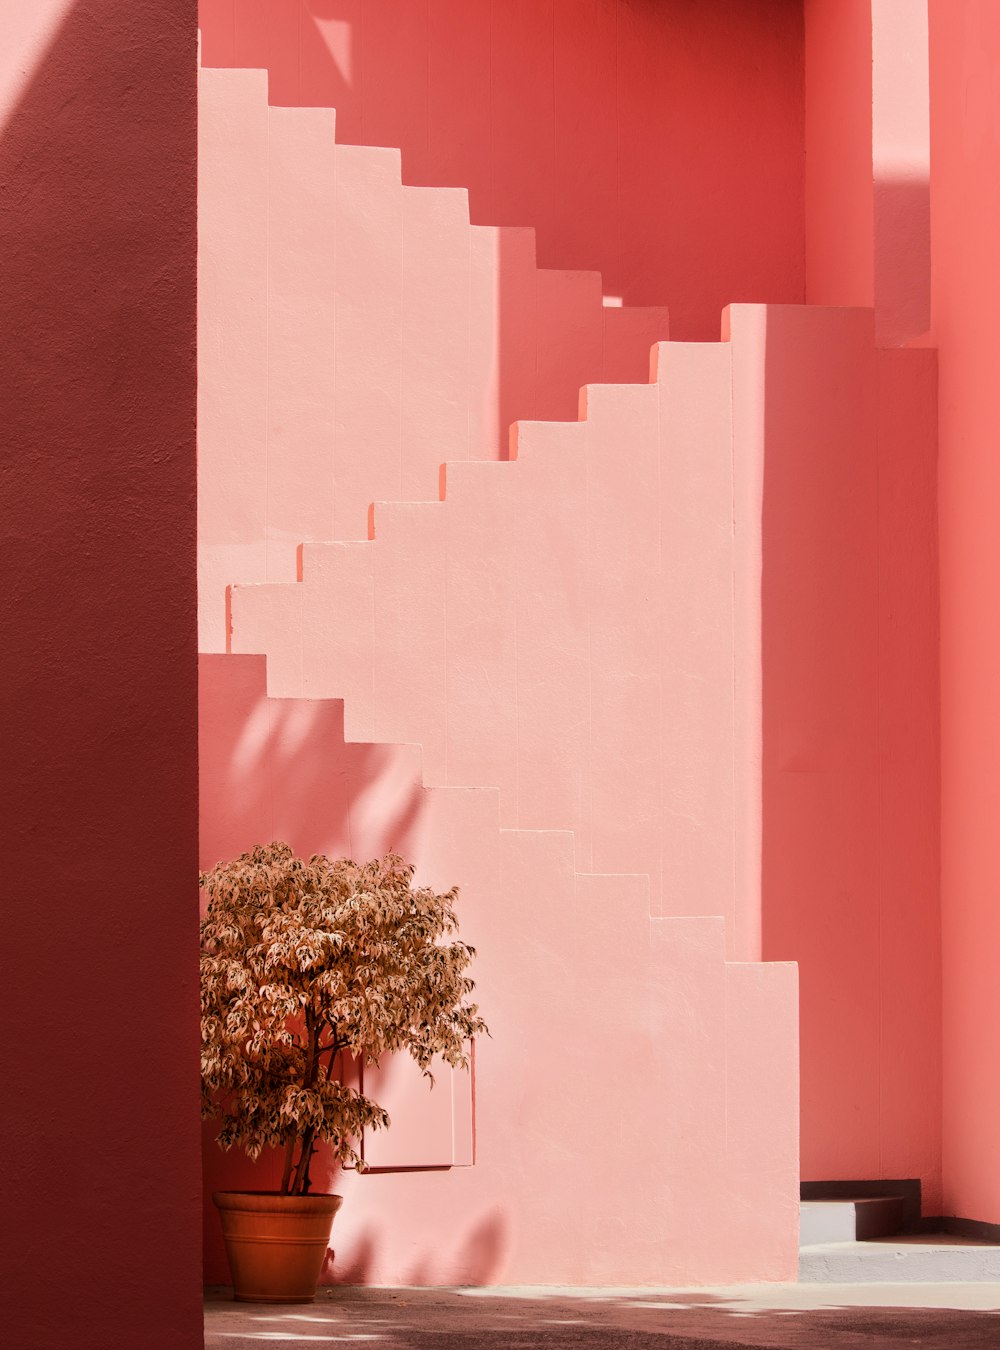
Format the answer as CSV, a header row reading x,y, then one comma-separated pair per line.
x,y
302,1171
333,1047
286,1175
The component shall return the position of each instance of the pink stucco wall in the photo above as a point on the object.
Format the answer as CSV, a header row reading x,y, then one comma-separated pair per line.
x,y
754,729
965,139
624,1050
99,788
659,143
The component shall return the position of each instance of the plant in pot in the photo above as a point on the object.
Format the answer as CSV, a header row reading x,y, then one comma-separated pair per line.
x,y
304,964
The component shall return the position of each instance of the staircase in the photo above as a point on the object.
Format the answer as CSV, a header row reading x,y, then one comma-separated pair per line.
x,y
357,333
878,1239
528,660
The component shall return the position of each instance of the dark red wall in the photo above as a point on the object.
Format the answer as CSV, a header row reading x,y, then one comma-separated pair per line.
x,y
98,791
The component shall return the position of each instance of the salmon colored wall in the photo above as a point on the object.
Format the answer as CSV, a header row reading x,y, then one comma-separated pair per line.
x,y
965,146
98,794
850,618
658,141
850,781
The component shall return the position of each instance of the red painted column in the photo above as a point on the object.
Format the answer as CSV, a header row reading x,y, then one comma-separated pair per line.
x,y
98,794
965,219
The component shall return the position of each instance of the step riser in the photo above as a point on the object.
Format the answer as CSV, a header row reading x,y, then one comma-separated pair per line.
x,y
849,1221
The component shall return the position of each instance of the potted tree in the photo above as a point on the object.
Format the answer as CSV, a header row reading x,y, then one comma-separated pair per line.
x,y
302,965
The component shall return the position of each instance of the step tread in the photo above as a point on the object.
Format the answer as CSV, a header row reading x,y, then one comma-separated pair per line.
x,y
905,1242
853,1200
936,1257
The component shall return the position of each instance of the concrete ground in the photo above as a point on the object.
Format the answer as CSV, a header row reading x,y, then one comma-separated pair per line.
x,y
799,1316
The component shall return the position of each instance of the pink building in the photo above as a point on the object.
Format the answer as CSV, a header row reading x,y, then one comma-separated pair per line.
x,y
595,504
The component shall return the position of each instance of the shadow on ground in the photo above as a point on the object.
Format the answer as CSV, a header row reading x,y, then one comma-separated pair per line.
x,y
817,1317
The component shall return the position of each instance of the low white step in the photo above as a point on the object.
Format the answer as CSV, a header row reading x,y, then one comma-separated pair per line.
x,y
932,1258
849,1219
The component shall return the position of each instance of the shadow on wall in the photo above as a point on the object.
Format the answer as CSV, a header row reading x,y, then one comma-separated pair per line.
x,y
280,769
659,143
476,1259
902,233
850,748
901,169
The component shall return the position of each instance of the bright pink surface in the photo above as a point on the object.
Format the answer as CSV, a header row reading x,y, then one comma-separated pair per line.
x,y
965,135
660,144
490,629
618,1138
533,675
98,789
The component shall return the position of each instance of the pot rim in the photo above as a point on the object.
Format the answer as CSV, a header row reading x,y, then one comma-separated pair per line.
x,y
257,1201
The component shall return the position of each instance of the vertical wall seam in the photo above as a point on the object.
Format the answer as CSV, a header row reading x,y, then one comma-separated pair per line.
x,y
733,625
879,746
267,338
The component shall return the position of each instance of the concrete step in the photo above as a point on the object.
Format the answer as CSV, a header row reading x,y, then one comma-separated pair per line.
x,y
932,1257
849,1219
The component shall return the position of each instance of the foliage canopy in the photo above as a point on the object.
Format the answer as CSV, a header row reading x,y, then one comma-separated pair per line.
x,y
305,962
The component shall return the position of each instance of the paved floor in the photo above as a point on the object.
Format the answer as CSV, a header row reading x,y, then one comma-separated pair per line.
x,y
789,1317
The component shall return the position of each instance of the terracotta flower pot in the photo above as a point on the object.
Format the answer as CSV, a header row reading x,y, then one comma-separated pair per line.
x,y
276,1244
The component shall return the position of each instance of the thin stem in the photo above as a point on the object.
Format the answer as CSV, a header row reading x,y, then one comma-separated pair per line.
x,y
286,1175
302,1171
333,1047
313,1030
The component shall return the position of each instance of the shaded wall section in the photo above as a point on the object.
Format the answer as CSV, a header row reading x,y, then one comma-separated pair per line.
x,y
867,212
839,194
657,141
901,170
850,747
98,797
965,151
